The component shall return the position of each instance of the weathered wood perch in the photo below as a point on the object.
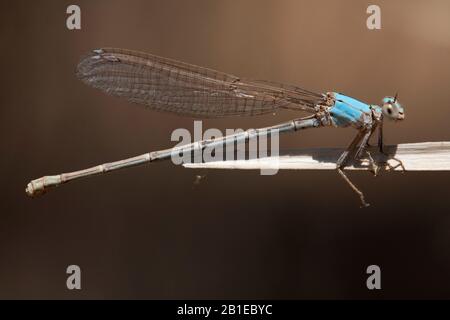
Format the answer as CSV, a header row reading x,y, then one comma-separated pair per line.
x,y
425,156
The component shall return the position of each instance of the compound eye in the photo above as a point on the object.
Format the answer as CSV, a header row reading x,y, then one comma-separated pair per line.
x,y
389,109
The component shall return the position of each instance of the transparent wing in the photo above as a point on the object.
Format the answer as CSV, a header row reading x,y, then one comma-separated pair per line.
x,y
168,85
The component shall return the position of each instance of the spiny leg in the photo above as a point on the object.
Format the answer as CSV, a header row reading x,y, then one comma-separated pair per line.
x,y
373,166
380,137
355,188
366,134
344,156
362,139
393,167
380,147
371,133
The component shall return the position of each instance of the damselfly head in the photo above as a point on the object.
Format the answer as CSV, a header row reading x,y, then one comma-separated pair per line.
x,y
392,109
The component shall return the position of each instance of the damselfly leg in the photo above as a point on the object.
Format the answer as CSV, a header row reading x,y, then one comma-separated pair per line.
x,y
386,163
356,146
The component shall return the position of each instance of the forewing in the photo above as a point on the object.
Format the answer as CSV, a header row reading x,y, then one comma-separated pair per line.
x,y
168,85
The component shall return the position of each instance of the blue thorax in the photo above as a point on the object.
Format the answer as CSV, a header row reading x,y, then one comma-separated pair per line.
x,y
348,111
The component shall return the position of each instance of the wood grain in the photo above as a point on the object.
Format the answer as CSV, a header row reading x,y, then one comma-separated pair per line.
x,y
424,156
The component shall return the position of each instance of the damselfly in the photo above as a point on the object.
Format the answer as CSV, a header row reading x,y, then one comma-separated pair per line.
x,y
168,85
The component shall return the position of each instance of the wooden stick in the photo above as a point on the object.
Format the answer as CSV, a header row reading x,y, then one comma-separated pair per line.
x,y
425,156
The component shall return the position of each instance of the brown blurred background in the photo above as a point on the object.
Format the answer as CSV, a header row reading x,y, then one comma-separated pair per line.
x,y
147,232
